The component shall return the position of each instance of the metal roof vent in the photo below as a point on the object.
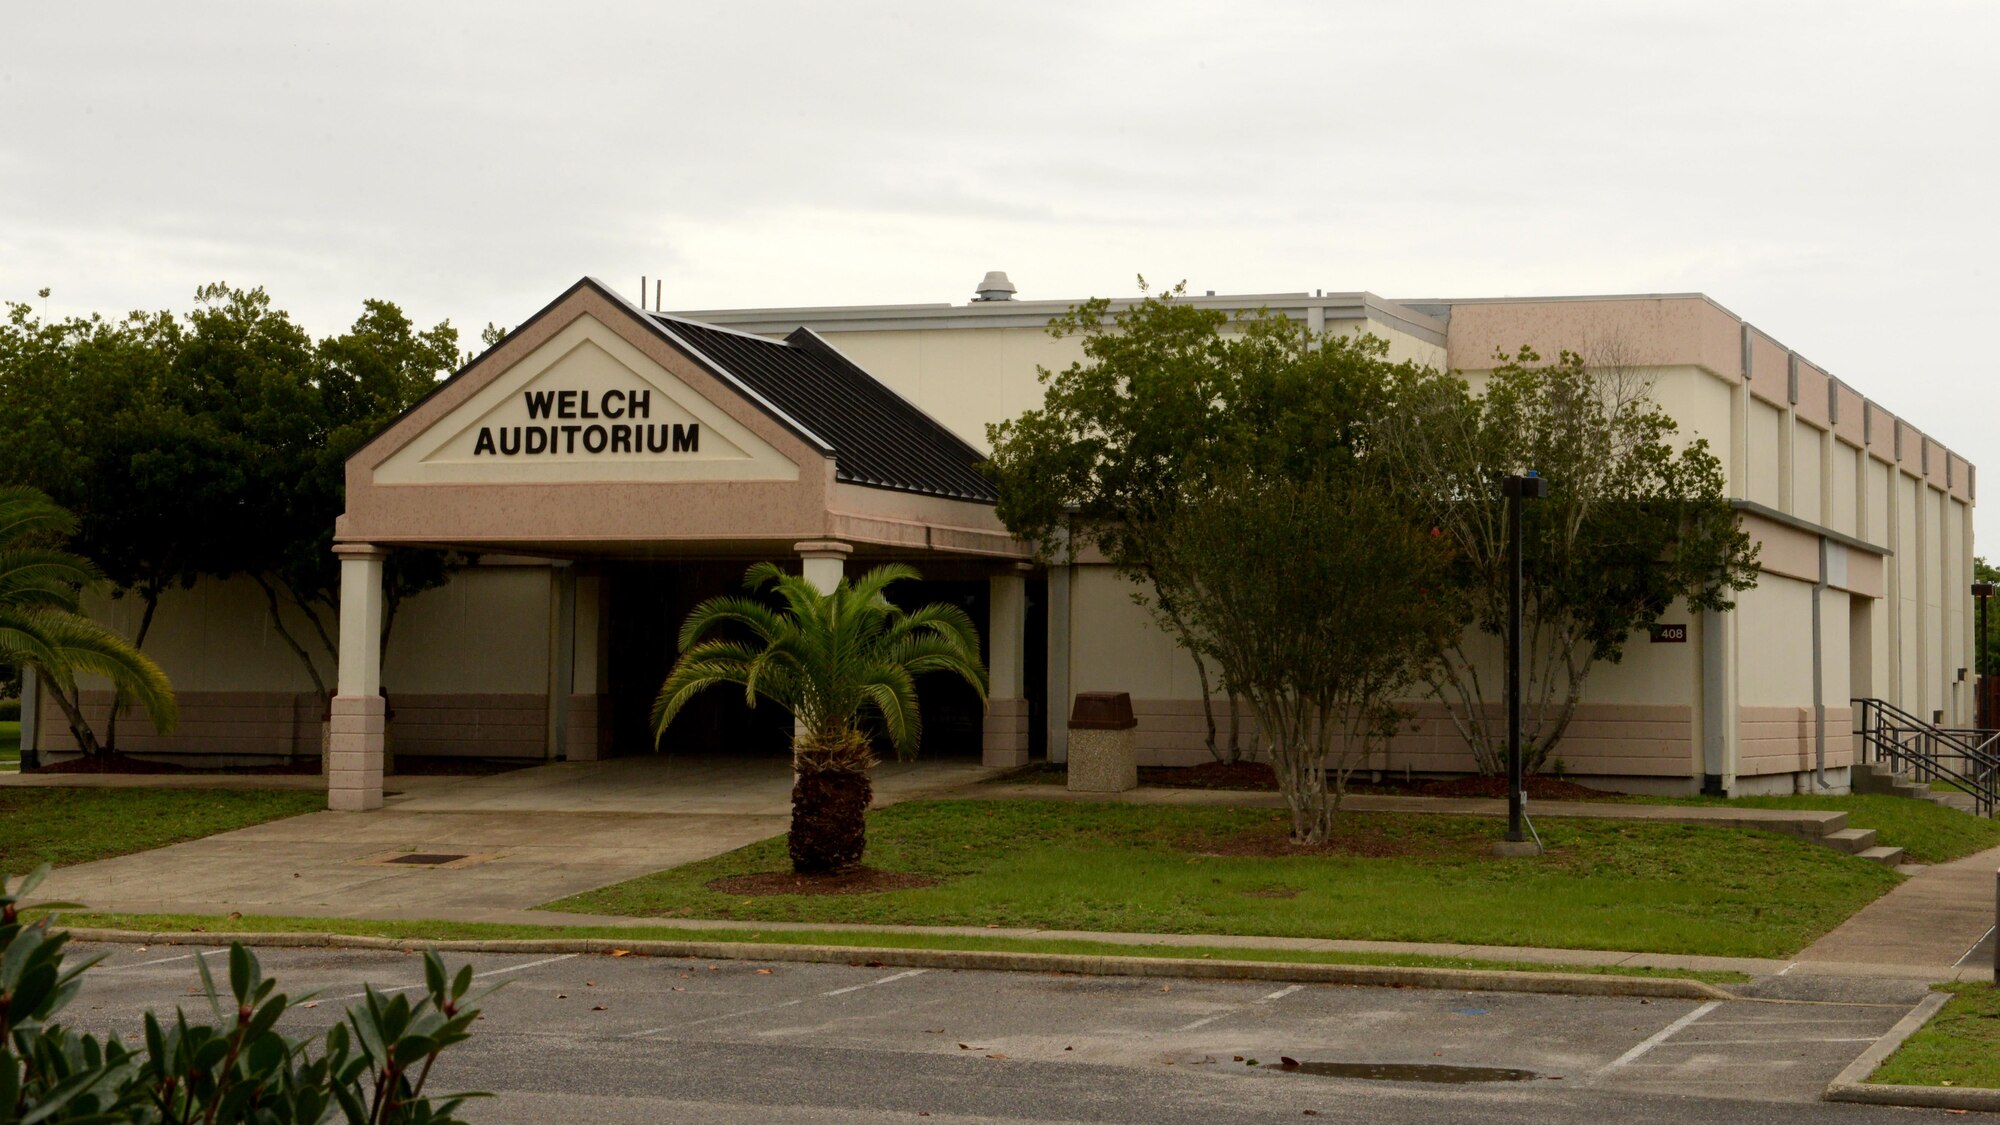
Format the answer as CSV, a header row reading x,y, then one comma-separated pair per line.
x,y
995,287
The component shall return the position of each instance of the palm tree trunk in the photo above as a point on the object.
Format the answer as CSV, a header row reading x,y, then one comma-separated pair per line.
x,y
830,797
829,820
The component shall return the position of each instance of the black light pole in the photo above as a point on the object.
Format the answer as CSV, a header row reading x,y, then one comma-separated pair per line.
x,y
1984,592
1516,489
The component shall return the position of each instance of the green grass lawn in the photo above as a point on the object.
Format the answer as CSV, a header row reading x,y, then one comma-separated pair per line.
x,y
10,742
65,826
1959,1047
1664,888
419,931
1927,832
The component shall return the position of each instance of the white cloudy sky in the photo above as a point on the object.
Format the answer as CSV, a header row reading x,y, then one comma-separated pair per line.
x,y
1825,169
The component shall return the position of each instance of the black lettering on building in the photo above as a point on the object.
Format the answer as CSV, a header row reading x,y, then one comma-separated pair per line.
x,y
621,434
539,403
586,411
594,438
656,438
569,436
687,439
538,440
614,404
565,404
508,448
639,404
485,442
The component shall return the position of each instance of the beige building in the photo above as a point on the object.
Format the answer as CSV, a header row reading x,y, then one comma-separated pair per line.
x,y
611,466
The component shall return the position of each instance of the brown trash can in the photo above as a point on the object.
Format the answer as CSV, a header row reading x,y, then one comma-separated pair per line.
x,y
1102,756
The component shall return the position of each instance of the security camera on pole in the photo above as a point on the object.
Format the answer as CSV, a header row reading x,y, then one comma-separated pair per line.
x,y
1517,488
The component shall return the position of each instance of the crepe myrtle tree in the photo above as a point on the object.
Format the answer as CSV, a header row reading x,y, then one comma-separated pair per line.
x,y
1321,600
1631,526
840,662
1169,397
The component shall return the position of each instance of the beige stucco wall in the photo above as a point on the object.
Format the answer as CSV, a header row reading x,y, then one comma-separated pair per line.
x,y
216,636
1765,427
485,631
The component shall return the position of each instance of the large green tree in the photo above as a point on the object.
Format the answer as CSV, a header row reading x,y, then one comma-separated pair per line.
x,y
1169,398
1321,600
844,663
213,445
1633,525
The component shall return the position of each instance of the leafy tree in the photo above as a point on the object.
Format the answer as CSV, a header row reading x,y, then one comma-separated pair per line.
x,y
1169,398
370,1069
835,661
214,445
1630,526
41,623
1322,601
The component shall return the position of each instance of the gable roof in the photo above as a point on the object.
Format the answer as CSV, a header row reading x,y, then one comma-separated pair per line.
x,y
877,437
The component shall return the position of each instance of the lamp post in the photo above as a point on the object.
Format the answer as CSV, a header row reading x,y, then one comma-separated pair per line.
x,y
1983,591
1517,489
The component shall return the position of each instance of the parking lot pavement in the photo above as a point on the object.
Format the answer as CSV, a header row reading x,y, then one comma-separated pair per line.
x,y
592,1037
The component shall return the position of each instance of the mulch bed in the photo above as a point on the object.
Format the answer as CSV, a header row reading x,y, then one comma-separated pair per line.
x,y
1256,776
854,881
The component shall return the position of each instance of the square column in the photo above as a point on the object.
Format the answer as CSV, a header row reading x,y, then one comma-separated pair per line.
x,y
825,562
1005,741
358,722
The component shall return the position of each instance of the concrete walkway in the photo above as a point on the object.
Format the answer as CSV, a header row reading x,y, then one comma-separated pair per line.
x,y
524,838
536,835
1798,822
1935,917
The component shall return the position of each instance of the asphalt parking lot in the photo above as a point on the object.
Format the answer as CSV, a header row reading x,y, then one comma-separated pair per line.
x,y
597,1038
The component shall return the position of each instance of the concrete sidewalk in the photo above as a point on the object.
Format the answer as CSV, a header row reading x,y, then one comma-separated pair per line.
x,y
1938,916
1809,823
520,838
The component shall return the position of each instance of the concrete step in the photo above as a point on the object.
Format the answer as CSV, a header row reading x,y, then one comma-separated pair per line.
x,y
1853,841
1887,857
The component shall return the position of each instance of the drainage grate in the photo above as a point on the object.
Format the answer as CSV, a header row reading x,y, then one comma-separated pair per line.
x,y
425,859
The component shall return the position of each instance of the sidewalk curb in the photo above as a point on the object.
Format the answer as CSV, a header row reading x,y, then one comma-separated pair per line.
x,y
1852,1085
1380,976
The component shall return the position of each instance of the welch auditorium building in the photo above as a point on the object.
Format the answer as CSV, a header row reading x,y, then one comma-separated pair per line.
x,y
610,466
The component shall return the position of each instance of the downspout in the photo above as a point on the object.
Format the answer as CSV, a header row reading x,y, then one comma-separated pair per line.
x,y
1819,677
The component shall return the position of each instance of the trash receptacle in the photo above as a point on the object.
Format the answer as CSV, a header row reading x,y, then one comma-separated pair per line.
x,y
1102,758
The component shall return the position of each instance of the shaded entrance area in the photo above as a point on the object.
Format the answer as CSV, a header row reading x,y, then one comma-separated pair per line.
x,y
645,603
782,450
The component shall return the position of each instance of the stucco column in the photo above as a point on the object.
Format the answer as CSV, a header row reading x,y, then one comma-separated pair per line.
x,y
589,721
354,746
825,562
1005,741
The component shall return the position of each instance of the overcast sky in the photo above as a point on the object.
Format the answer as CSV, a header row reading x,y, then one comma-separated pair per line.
x,y
1826,170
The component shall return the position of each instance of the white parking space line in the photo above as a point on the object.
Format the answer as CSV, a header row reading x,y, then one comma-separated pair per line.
x,y
475,976
873,983
774,1007
1693,1043
159,961
1655,1039
1278,995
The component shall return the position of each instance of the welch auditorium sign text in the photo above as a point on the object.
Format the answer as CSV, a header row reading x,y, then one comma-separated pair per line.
x,y
594,429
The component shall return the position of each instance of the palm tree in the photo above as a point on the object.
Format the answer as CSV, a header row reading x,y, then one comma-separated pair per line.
x,y
41,621
833,660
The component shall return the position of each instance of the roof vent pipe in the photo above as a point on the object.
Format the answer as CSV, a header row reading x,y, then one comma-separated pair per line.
x,y
995,287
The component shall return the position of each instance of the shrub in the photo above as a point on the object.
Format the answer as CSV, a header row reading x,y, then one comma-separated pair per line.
x,y
239,1068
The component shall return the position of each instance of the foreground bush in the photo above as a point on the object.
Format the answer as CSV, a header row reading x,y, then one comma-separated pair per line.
x,y
370,1068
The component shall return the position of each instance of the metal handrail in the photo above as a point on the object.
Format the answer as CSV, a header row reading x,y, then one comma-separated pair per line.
x,y
1967,759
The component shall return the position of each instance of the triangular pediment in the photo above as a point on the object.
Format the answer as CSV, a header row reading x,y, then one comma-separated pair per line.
x,y
586,405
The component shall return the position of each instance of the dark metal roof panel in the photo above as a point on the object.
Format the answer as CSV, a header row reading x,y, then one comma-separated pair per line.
x,y
879,438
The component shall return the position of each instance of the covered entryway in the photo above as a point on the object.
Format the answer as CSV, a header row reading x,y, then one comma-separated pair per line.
x,y
648,460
